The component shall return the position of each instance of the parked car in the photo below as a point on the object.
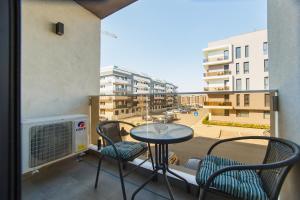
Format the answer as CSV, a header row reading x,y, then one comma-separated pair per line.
x,y
185,111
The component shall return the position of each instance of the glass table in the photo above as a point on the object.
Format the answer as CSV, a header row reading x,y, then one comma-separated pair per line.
x,y
162,135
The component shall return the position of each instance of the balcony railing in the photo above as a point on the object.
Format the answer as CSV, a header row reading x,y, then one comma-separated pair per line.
x,y
209,124
216,103
221,58
216,88
221,73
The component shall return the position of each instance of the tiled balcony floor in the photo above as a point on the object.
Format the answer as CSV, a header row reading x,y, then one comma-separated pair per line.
x,y
73,180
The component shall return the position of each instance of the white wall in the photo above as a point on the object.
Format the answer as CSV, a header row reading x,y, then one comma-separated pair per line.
x,y
58,72
256,57
284,54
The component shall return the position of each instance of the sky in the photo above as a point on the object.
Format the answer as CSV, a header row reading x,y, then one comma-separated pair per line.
x,y
165,38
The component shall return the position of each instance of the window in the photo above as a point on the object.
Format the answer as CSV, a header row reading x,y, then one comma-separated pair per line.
x,y
266,115
266,83
226,84
265,48
226,112
246,51
242,113
238,52
238,84
226,54
102,112
267,100
246,67
116,112
237,67
246,99
226,67
247,83
226,97
238,100
266,65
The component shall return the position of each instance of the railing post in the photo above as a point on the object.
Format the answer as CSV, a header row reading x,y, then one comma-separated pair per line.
x,y
94,119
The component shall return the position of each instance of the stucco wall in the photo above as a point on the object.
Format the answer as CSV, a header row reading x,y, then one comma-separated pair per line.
x,y
284,51
58,72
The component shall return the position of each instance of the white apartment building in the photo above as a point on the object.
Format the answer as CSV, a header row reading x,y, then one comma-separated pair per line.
x,y
124,93
238,63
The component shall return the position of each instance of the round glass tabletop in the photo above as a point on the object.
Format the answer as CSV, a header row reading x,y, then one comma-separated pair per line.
x,y
162,133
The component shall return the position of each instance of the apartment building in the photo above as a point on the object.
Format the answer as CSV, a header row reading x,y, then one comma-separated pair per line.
x,y
125,93
192,100
238,63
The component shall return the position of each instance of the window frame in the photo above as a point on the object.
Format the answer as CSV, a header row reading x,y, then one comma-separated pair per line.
x,y
266,66
266,83
246,100
247,83
246,51
236,84
265,48
244,69
237,68
238,100
236,52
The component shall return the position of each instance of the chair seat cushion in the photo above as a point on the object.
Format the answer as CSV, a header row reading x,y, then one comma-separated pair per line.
x,y
126,150
243,184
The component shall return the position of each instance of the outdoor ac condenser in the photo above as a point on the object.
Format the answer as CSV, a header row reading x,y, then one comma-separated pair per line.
x,y
47,140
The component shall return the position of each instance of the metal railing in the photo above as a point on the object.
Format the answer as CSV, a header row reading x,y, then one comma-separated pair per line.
x,y
220,73
216,88
216,103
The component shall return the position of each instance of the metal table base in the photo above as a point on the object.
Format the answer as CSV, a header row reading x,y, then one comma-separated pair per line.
x,y
161,163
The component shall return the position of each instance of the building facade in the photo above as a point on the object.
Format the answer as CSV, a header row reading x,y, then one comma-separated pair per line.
x,y
125,94
192,100
238,63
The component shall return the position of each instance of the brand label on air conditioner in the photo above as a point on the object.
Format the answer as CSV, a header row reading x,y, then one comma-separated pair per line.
x,y
80,126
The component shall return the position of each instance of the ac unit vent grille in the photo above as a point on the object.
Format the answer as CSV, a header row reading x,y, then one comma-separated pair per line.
x,y
50,142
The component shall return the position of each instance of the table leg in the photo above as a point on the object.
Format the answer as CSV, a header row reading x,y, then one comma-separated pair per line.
x,y
143,185
161,163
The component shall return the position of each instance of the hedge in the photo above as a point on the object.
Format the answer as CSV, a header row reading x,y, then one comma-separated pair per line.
x,y
219,123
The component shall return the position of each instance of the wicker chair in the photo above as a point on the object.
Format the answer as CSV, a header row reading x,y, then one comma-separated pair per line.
x,y
236,180
122,151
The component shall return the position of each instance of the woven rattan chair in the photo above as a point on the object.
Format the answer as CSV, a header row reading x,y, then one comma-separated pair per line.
x,y
122,151
236,180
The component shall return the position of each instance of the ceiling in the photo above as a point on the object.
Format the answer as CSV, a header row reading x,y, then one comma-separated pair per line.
x,y
104,8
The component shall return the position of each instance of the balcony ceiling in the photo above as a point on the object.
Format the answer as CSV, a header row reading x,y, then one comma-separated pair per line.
x,y
104,8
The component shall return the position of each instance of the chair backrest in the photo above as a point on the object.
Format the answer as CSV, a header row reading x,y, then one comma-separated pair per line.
x,y
111,129
278,151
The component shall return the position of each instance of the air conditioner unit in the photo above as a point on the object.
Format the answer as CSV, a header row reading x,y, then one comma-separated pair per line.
x,y
47,140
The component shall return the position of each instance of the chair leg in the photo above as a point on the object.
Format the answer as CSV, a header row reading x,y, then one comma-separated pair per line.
x,y
124,165
122,180
151,157
98,171
202,195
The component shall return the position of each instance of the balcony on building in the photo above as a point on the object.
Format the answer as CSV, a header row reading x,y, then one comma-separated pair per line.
x,y
217,55
216,88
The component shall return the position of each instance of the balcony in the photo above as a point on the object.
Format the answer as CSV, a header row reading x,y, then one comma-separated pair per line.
x,y
74,177
215,59
217,55
219,73
217,104
213,89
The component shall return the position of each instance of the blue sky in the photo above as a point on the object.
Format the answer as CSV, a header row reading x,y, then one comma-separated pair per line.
x,y
165,38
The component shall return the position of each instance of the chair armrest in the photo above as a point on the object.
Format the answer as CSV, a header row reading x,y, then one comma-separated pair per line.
x,y
238,138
